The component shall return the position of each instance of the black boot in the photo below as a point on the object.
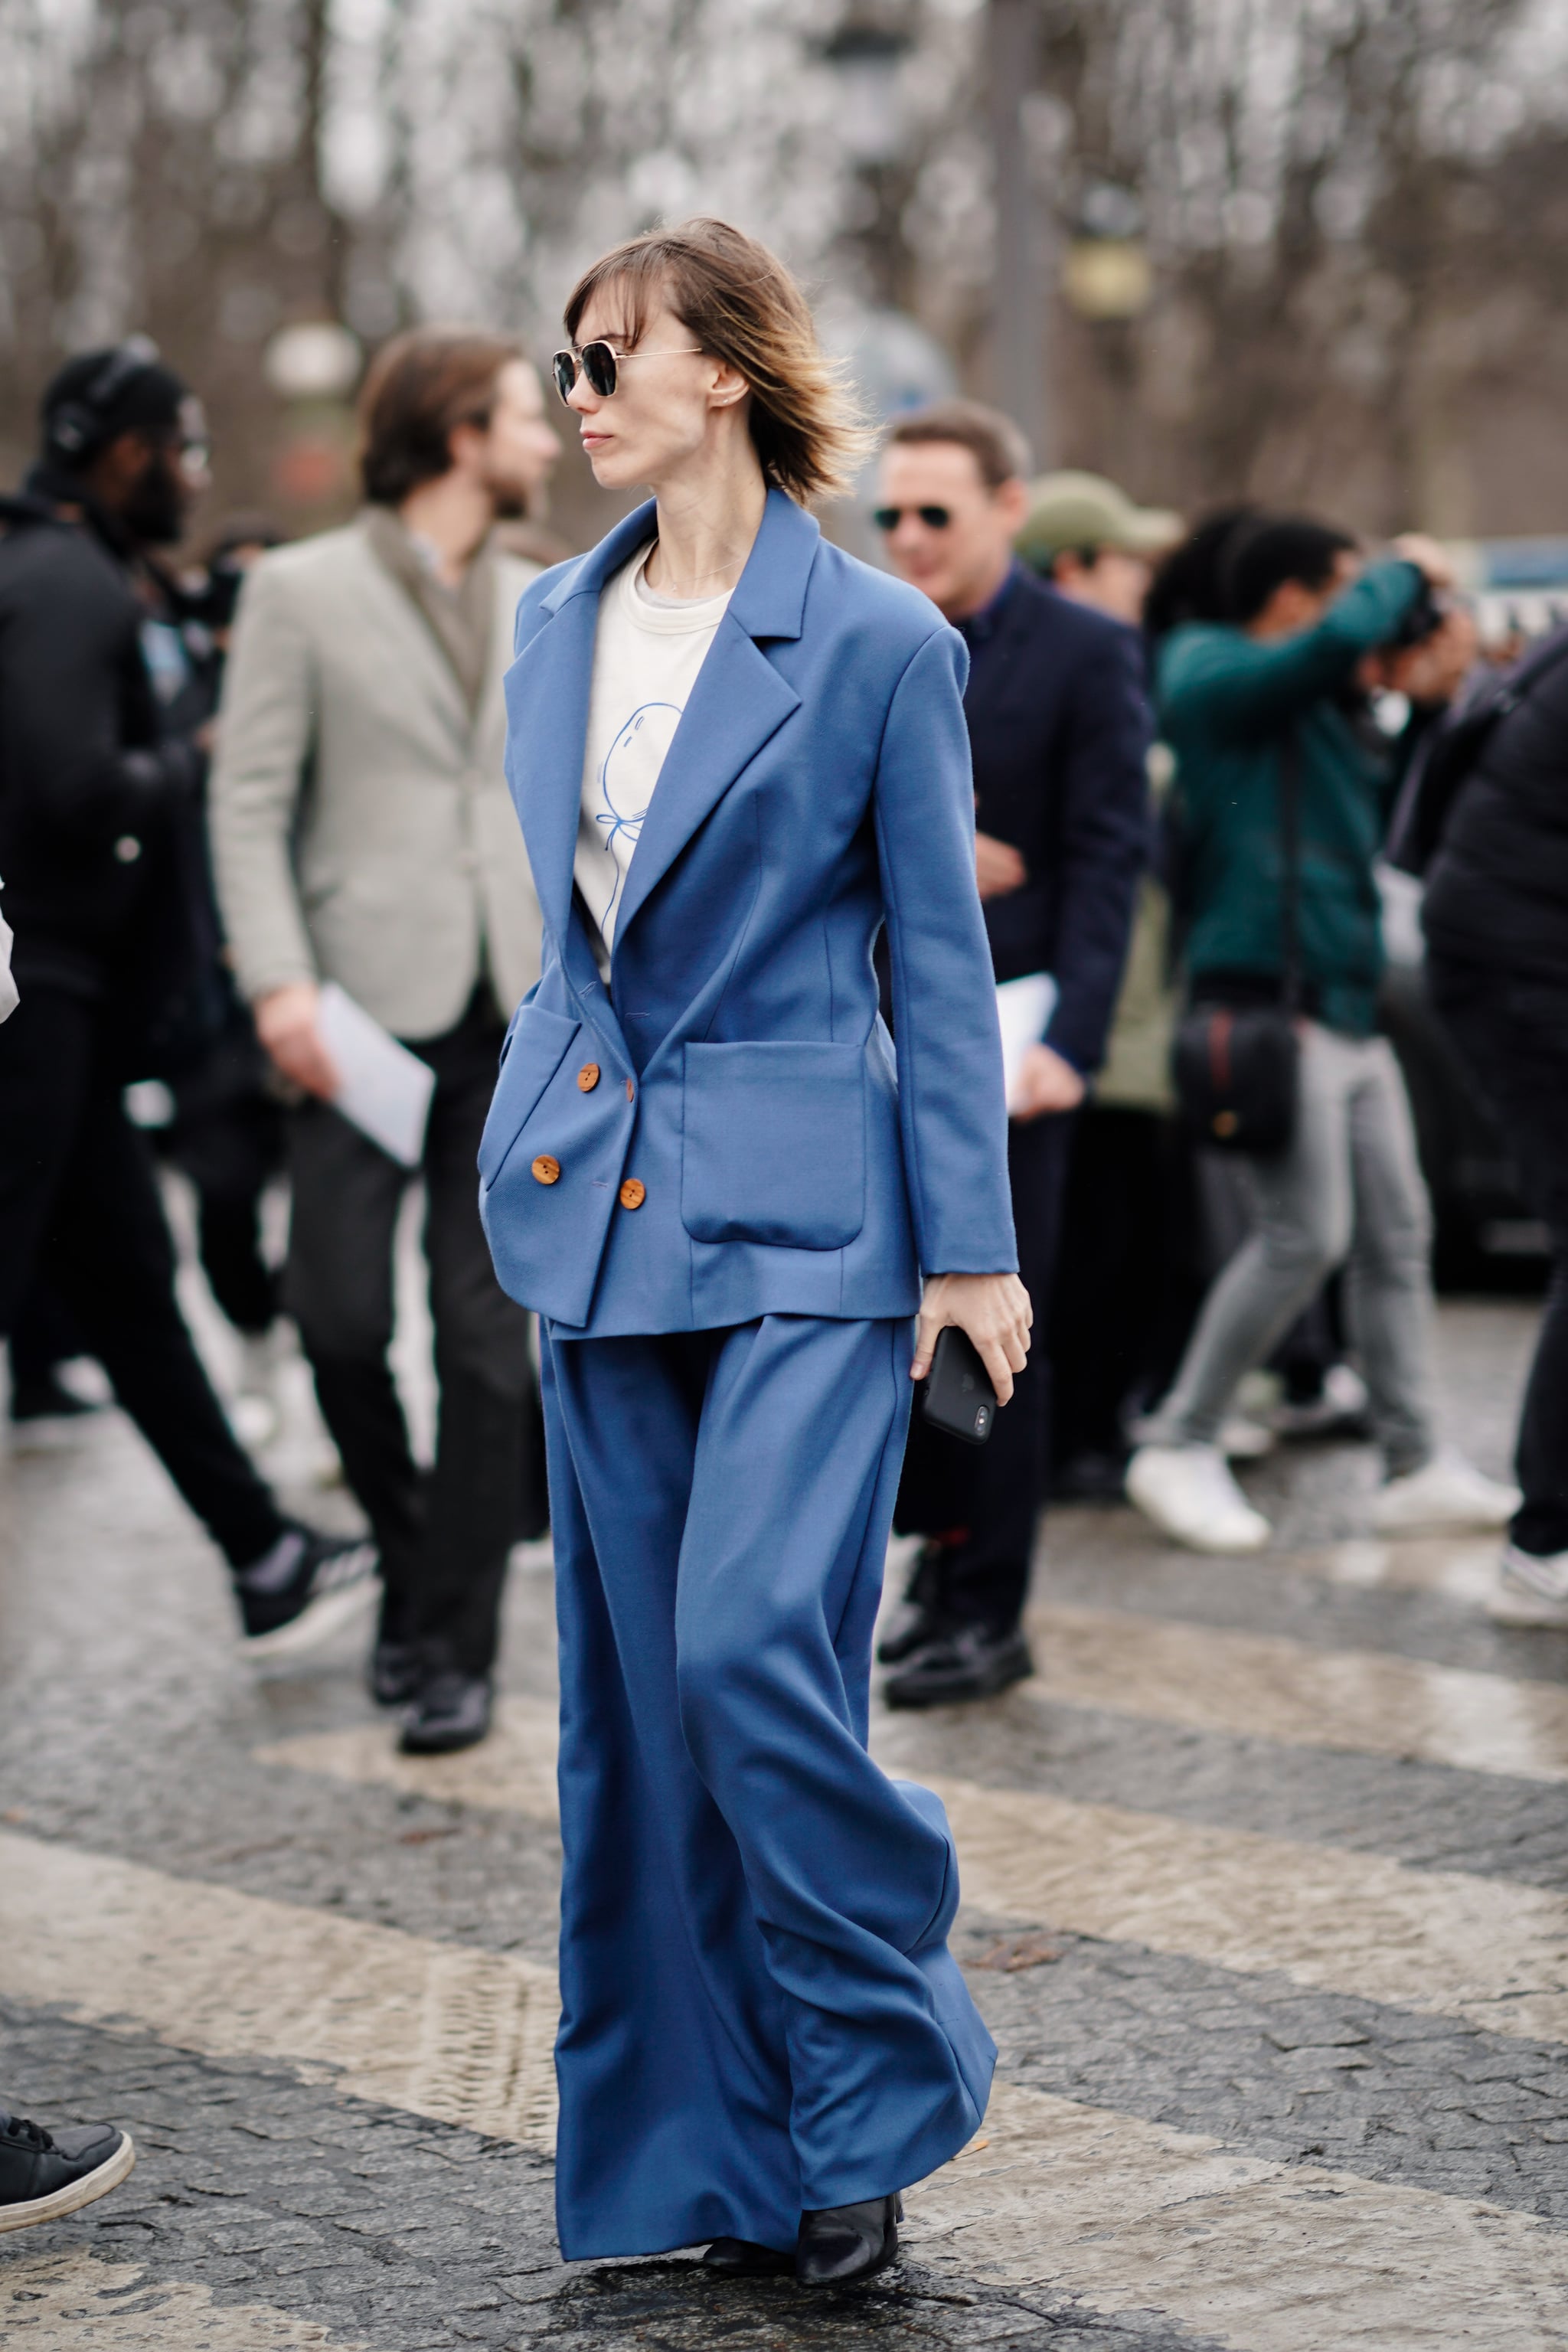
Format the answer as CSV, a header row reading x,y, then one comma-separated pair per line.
x,y
743,2258
844,2244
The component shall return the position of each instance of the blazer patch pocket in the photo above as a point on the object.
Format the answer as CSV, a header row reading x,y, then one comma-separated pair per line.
x,y
534,1051
773,1144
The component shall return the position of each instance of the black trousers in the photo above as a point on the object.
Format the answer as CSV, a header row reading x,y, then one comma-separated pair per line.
x,y
444,1540
1513,1034
994,1492
79,1207
1128,1292
227,1138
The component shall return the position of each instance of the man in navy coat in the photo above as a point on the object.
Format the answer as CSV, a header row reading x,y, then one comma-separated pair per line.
x,y
1059,728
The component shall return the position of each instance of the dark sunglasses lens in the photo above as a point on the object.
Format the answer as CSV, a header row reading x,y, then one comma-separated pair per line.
x,y
563,368
599,367
889,518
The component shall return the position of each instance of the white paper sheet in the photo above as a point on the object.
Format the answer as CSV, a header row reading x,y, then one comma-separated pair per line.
x,y
1024,1008
386,1089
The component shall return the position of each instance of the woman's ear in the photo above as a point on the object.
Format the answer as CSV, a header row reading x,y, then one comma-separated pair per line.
x,y
727,386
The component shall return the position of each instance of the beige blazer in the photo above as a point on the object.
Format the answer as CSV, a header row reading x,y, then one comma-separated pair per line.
x,y
360,824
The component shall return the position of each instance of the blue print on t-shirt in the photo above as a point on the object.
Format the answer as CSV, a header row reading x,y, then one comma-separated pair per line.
x,y
627,776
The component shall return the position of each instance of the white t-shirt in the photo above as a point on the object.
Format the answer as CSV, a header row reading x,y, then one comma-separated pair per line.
x,y
647,654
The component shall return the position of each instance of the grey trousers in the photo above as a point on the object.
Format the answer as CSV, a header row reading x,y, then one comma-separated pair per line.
x,y
1347,1190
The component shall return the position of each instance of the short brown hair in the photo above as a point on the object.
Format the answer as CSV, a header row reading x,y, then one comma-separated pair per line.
x,y
420,387
992,440
743,307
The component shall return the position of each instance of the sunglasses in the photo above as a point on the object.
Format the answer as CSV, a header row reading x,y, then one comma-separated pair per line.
x,y
933,518
599,364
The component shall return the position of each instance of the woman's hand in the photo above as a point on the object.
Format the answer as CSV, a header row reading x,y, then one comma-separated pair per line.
x,y
994,1309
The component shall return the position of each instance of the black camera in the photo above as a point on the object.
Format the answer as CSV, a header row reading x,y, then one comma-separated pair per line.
x,y
1424,619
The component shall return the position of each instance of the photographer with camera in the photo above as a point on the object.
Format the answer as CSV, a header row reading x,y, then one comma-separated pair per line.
x,y
1284,788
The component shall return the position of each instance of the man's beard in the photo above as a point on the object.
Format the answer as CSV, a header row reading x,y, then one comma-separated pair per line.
x,y
154,511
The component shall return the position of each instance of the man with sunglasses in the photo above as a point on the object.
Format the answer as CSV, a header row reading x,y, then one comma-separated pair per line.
x,y
98,833
1059,730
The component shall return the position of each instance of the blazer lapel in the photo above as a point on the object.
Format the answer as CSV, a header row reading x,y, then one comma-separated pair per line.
x,y
737,702
547,690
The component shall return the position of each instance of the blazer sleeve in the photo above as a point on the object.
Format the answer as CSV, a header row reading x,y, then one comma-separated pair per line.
x,y
1103,845
952,1112
265,738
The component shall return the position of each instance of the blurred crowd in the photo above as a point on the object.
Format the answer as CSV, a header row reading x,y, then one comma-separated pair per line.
x,y
240,792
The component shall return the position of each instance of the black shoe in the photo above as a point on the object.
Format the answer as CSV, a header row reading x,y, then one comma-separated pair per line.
x,y
451,1711
918,1619
45,2174
847,2243
744,2258
48,1398
970,1662
332,1583
396,1670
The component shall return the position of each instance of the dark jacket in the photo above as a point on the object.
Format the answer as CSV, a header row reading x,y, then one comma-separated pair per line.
x,y
1059,730
88,781
1497,894
1226,702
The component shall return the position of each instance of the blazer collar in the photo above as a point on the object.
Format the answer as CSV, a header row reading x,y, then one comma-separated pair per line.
x,y
770,595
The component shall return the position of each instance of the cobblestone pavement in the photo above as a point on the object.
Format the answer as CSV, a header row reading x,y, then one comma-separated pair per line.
x,y
1281,1845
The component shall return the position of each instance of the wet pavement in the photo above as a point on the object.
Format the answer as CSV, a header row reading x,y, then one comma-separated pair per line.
x,y
1265,1879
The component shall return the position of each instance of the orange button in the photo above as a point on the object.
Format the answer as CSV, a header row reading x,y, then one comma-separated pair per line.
x,y
587,1077
631,1091
634,1192
546,1170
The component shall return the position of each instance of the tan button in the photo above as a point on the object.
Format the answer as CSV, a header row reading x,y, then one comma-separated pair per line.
x,y
634,1192
546,1170
587,1077
631,1091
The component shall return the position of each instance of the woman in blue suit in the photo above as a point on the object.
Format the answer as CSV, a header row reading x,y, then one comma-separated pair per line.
x,y
736,754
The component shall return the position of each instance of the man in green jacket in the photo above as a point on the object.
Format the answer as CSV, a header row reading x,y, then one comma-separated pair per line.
x,y
1310,625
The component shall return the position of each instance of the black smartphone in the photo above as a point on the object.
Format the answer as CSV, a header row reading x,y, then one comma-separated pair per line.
x,y
959,1396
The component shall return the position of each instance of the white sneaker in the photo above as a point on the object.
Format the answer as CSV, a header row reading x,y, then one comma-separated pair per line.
x,y
1190,1495
1446,1496
1532,1589
1341,1408
1244,1439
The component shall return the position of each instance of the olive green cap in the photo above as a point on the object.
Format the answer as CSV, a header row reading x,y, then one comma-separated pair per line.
x,y
1071,511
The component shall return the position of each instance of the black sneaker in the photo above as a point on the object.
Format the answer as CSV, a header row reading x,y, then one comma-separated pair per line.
x,y
970,1662
332,1583
451,1711
45,2174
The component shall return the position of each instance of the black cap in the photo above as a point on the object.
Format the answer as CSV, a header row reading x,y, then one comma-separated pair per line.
x,y
99,394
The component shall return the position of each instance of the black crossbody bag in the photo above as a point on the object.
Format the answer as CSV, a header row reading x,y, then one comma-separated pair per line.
x,y
1236,1068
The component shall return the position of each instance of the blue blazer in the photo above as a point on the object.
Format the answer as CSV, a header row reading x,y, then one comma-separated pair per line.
x,y
723,1133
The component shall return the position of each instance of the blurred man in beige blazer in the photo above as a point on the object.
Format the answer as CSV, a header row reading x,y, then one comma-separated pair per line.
x,y
362,834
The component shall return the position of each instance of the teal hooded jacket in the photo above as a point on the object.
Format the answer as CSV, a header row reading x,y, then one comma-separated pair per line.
x,y
1226,703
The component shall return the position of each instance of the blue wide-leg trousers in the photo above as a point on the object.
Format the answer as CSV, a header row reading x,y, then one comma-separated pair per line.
x,y
760,2012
